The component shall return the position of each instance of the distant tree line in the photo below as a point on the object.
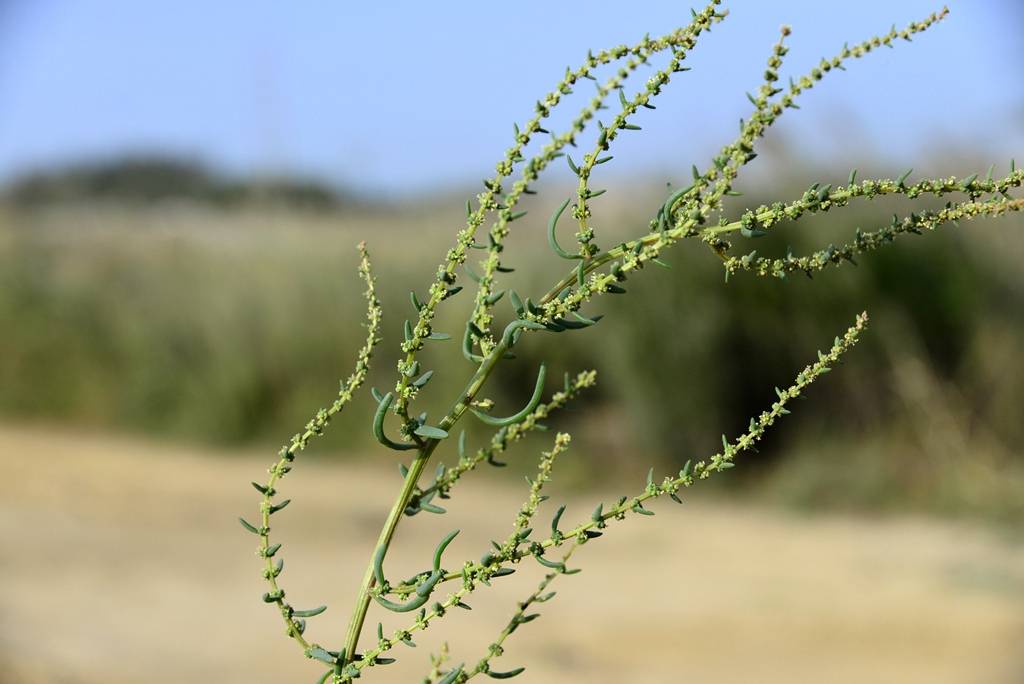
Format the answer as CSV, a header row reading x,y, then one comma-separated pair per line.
x,y
152,179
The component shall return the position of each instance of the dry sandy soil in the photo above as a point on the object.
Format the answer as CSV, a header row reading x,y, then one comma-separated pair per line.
x,y
122,561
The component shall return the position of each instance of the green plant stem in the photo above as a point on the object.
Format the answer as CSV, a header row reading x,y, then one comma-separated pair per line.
x,y
613,254
387,533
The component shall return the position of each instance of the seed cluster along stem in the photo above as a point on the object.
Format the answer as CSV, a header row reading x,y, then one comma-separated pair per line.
x,y
695,211
496,649
294,619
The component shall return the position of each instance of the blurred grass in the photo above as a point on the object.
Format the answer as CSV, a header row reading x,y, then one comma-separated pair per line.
x,y
232,326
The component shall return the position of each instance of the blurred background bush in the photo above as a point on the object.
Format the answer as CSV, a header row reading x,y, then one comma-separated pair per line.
x,y
136,297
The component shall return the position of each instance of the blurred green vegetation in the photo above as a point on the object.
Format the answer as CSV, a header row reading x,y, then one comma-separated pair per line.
x,y
193,321
143,179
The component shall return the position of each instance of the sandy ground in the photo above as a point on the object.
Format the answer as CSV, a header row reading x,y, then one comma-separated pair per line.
x,y
122,561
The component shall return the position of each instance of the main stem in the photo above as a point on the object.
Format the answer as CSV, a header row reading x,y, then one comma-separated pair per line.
x,y
387,533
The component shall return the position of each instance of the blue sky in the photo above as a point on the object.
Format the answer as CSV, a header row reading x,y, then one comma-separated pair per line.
x,y
404,96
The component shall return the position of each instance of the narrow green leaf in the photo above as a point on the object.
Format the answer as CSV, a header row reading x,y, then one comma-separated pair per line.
x,y
554,565
441,546
552,238
451,677
378,425
505,675
554,520
526,410
431,432
276,507
320,654
312,612
517,303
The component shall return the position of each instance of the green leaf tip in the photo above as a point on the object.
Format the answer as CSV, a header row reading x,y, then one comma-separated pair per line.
x,y
526,410
451,677
441,546
378,425
506,675
431,432
312,612
552,239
